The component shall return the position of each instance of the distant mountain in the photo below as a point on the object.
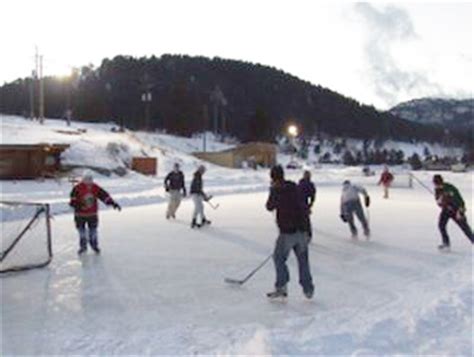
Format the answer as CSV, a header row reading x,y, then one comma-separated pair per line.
x,y
184,95
450,113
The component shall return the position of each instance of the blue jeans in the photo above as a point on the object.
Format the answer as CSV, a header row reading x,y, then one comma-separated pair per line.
x,y
87,227
355,207
298,242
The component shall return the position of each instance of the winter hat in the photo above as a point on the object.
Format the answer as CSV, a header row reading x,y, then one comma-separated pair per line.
x,y
346,182
87,176
277,173
438,179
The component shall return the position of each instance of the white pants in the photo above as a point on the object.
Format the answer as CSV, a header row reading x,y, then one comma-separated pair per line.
x,y
198,206
174,202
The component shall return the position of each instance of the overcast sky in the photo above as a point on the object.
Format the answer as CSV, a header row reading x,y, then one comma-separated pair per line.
x,y
378,53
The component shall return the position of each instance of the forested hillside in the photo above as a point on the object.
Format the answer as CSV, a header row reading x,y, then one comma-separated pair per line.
x,y
189,94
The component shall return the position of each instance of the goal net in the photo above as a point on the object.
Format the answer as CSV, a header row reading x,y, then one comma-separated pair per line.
x,y
402,180
26,236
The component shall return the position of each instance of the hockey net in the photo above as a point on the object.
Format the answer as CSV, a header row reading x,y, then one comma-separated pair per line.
x,y
26,236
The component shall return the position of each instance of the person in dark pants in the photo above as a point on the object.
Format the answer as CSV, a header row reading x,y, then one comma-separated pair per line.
x,y
84,201
174,185
286,200
452,207
350,205
308,194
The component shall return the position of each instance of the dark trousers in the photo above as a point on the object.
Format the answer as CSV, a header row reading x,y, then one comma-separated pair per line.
x,y
444,217
308,227
87,228
298,242
355,207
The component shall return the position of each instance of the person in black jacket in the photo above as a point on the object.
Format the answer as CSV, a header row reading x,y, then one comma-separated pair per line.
x,y
308,192
199,197
285,198
174,185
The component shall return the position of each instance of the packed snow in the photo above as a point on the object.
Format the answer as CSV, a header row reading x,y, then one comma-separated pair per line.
x,y
158,287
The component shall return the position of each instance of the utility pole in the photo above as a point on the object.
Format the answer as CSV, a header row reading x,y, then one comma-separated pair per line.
x,y
32,95
41,91
224,129
146,98
147,86
205,111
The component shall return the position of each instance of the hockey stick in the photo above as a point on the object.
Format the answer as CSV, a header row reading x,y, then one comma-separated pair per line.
x,y
422,184
216,206
240,282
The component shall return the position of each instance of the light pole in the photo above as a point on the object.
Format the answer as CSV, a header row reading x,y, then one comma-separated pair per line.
x,y
292,131
146,98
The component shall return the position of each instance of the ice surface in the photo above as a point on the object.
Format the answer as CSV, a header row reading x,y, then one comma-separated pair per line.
x,y
158,287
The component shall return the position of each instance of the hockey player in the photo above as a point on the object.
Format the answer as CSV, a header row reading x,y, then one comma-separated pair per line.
x,y
174,185
386,180
350,204
452,207
285,198
308,193
199,197
84,201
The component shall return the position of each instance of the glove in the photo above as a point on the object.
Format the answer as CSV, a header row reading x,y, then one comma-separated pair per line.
x,y
167,189
343,218
207,198
116,206
367,201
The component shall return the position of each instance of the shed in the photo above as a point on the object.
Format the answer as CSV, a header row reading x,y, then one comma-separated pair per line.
x,y
253,154
145,165
30,161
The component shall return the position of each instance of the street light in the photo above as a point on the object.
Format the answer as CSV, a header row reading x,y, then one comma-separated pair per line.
x,y
292,130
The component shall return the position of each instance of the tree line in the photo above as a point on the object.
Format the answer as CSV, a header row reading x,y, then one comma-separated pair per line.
x,y
184,95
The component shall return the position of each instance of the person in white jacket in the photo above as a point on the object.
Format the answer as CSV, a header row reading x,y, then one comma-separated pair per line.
x,y
350,205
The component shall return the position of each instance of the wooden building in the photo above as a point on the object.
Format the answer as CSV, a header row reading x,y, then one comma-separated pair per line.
x,y
19,162
250,155
145,165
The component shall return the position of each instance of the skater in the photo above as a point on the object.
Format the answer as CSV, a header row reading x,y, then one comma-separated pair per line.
x,y
286,199
350,204
308,193
174,185
452,207
84,201
386,180
199,197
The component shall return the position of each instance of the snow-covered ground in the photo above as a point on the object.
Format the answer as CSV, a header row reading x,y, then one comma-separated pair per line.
x,y
158,287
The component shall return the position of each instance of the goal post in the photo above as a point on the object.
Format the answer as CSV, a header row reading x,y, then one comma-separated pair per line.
x,y
25,236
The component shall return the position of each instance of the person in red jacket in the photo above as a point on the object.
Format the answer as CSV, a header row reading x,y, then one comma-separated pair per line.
x,y
84,201
386,180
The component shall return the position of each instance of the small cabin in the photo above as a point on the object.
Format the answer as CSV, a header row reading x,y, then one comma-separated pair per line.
x,y
24,161
145,165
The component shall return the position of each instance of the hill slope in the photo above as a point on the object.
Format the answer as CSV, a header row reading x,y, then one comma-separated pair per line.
x,y
450,113
189,94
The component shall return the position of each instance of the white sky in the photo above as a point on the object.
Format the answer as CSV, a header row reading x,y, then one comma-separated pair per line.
x,y
378,53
